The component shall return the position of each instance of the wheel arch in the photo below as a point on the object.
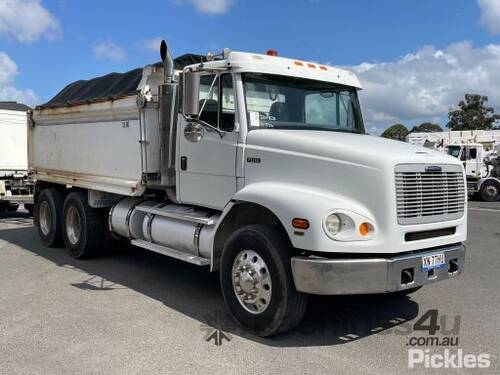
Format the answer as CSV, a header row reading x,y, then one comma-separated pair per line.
x,y
237,215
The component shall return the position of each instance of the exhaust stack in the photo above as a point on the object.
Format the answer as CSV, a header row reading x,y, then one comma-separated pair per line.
x,y
168,62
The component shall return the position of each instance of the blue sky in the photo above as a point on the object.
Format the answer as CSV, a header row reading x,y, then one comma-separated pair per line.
x,y
415,58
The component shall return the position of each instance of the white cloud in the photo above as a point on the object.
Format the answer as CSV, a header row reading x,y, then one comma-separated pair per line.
x,y
209,6
107,50
422,86
28,21
150,44
8,72
490,14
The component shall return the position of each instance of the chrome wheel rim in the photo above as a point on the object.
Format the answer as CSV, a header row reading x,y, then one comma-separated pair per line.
x,y
251,281
73,225
45,218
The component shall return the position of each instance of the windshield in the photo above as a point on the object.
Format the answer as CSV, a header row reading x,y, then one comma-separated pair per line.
x,y
454,151
280,102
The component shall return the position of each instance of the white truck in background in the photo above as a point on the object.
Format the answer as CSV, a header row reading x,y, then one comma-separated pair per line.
x,y
254,165
482,169
15,186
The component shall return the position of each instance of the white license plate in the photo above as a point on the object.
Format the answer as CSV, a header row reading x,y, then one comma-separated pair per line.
x,y
430,262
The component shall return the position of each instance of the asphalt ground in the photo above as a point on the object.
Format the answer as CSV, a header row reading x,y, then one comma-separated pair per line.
x,y
133,311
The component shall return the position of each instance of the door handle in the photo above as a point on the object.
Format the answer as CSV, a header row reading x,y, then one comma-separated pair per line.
x,y
184,162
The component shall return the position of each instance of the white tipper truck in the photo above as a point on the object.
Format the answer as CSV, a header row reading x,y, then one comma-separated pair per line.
x,y
255,166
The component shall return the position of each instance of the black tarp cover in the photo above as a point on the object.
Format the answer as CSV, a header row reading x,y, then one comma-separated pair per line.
x,y
110,86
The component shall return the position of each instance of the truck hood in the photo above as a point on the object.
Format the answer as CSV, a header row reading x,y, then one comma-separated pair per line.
x,y
357,149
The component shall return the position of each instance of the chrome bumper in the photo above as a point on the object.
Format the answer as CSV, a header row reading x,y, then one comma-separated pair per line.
x,y
316,275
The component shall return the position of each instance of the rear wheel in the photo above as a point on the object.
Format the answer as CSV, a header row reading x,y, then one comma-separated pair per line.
x,y
83,226
48,216
257,283
490,191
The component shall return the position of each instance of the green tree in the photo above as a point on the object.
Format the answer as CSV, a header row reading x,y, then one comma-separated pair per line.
x,y
427,127
473,114
396,131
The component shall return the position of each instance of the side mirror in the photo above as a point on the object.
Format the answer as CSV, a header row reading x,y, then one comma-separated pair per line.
x,y
191,94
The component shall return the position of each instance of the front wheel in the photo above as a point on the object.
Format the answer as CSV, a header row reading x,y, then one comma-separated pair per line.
x,y
257,283
490,191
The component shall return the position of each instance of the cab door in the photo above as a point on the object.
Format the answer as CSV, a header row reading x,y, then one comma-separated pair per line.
x,y
472,161
207,167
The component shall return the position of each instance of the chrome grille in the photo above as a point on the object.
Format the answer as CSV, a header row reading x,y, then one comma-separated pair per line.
x,y
427,196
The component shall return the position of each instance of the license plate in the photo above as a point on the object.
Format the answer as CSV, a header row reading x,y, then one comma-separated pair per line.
x,y
430,262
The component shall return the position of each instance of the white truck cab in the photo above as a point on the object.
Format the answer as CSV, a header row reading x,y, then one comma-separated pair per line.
x,y
482,169
256,166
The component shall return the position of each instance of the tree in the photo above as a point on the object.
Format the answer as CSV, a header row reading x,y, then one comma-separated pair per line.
x,y
396,131
472,115
427,127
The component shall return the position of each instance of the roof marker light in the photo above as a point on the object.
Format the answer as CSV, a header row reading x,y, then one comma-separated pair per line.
x,y
322,67
298,63
311,65
272,52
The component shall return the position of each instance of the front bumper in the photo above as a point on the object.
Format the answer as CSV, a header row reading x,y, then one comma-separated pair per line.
x,y
315,275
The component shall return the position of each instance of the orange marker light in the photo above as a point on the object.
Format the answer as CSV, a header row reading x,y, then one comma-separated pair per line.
x,y
323,67
272,52
311,66
300,223
299,63
365,229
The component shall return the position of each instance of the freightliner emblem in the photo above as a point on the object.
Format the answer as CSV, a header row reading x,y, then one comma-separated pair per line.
x,y
433,168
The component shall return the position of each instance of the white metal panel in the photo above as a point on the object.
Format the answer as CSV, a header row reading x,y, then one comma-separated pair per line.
x,y
96,146
210,177
13,143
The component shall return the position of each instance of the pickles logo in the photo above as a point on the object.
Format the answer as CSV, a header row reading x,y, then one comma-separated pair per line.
x,y
441,334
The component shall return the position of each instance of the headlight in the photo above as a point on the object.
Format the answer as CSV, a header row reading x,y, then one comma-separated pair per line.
x,y
333,224
344,225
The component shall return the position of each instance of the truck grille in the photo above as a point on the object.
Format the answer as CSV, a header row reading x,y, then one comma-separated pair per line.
x,y
427,196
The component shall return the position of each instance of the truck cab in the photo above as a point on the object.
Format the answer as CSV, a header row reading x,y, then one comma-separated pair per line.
x,y
258,167
481,169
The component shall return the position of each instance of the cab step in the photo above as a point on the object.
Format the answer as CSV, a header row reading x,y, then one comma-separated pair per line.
x,y
186,257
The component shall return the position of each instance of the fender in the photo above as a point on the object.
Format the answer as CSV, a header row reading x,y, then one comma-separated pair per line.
x,y
289,201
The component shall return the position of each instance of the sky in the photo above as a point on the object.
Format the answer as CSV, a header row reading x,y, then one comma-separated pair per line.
x,y
416,58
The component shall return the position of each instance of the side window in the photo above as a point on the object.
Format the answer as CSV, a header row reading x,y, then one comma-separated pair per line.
x,y
473,153
210,111
227,103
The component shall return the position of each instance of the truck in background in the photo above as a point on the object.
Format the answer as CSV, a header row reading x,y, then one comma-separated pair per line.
x,y
254,165
482,169
15,185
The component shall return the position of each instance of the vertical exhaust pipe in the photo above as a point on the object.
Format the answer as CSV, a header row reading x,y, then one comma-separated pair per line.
x,y
168,62
168,123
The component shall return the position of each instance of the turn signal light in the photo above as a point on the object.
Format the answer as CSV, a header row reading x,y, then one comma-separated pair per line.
x,y
365,229
300,223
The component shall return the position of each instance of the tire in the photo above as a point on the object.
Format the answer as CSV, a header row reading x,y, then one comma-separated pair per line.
x,y
83,226
281,307
48,217
490,191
